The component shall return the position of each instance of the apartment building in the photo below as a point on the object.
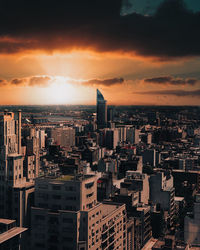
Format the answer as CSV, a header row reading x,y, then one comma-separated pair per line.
x,y
63,136
162,192
192,225
67,215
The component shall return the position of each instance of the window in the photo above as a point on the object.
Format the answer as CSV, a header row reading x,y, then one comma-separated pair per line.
x,y
89,195
67,229
43,205
67,220
56,207
72,198
71,188
56,197
69,239
39,245
39,217
89,185
43,186
56,187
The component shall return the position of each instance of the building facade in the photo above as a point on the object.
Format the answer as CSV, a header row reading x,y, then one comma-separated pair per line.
x,y
15,191
67,213
101,111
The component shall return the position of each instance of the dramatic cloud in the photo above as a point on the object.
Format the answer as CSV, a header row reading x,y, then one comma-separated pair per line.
x,y
27,81
171,80
18,81
105,82
2,82
45,80
39,80
97,25
179,93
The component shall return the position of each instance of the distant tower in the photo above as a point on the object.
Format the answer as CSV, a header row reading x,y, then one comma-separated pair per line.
x,y
101,111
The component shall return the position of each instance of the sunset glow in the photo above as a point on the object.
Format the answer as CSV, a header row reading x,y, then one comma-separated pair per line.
x,y
65,65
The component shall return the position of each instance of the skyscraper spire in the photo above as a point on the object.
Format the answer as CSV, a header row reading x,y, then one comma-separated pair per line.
x,y
99,96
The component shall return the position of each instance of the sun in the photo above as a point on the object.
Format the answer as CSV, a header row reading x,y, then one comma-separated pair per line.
x,y
61,92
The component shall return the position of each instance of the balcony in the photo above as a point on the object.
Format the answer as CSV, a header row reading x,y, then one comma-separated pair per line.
x,y
104,236
105,228
104,245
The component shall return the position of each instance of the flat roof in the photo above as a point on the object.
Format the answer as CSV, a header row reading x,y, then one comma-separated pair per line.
x,y
65,178
150,244
11,233
185,171
143,208
177,198
109,208
159,244
25,185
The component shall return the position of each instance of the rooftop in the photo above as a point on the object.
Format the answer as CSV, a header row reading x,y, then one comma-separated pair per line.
x,y
25,184
11,233
158,244
142,207
6,221
65,178
150,244
109,208
177,198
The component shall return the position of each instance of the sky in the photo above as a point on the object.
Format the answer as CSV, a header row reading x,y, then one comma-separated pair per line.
x,y
137,52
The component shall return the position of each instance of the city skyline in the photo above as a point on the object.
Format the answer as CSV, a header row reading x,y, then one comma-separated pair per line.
x,y
134,58
126,179
99,125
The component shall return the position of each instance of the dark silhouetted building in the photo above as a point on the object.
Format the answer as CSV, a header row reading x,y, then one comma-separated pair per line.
x,y
101,111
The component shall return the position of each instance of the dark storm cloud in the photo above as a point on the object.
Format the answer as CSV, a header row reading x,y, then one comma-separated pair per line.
x,y
171,80
63,25
105,82
178,93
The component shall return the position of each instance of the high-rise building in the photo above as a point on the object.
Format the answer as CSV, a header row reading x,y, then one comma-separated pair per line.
x,y
110,114
132,135
15,191
31,154
112,138
101,111
192,225
67,215
134,192
162,192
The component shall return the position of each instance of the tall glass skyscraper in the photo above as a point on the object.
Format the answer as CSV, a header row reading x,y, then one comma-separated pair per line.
x,y
101,111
